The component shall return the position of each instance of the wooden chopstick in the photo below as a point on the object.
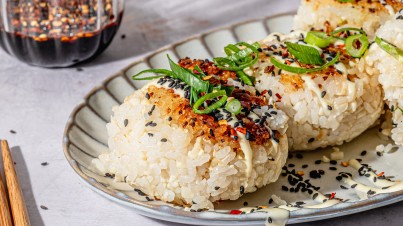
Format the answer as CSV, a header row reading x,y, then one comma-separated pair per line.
x,y
5,217
18,208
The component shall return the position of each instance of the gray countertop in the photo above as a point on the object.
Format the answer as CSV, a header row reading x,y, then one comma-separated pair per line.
x,y
36,102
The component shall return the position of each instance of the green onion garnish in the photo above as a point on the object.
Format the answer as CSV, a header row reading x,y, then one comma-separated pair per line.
x,y
188,77
212,107
299,70
333,33
305,54
319,39
356,45
228,89
162,73
389,48
238,59
234,106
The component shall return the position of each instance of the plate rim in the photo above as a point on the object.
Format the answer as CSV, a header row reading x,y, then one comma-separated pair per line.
x,y
166,212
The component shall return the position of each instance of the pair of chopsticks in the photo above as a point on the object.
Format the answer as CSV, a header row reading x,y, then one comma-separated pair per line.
x,y
13,212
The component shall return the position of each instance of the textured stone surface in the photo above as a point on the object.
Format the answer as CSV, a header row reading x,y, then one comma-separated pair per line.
x,y
36,103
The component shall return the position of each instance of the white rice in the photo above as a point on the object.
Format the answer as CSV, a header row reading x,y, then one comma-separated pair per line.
x,y
355,105
390,72
185,170
316,14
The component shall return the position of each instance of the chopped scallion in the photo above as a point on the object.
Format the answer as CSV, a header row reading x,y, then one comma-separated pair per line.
x,y
389,48
305,54
319,39
212,107
356,45
234,106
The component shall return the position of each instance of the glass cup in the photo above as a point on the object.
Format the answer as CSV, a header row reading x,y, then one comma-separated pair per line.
x,y
58,33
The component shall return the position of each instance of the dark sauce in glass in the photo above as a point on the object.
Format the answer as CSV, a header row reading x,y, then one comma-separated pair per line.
x,y
46,42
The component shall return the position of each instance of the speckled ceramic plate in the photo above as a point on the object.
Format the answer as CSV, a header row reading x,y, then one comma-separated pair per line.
x,y
85,138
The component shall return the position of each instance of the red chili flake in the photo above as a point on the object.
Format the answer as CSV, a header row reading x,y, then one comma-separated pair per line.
x,y
380,174
241,130
285,54
233,132
287,62
235,212
264,92
340,46
332,195
278,95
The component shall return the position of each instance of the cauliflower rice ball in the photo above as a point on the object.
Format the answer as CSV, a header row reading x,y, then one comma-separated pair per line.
x,y
327,15
326,107
160,146
389,71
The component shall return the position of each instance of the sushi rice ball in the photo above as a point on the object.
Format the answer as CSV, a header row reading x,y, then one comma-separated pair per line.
x,y
163,145
327,104
389,68
327,15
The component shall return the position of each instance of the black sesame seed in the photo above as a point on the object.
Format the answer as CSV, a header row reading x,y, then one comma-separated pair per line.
x,y
241,190
164,140
44,163
339,178
216,188
333,162
291,165
149,199
311,140
125,122
332,168
245,203
290,156
292,189
329,107
150,134
147,96
370,192
270,201
123,36
359,160
354,185
269,220
248,135
12,132
44,207
317,162
212,132
299,156
79,69
363,153
323,94
284,188
304,166
315,196
343,187
379,153
321,172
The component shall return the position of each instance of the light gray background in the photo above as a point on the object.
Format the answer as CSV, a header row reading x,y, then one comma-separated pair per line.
x,y
36,103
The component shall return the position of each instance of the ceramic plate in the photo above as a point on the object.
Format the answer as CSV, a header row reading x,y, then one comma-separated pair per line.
x,y
85,138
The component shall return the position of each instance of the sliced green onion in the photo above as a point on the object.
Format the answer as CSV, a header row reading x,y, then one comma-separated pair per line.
x,y
163,73
234,106
193,96
188,77
299,70
212,107
356,45
333,33
197,68
238,59
389,48
319,39
305,54
228,89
